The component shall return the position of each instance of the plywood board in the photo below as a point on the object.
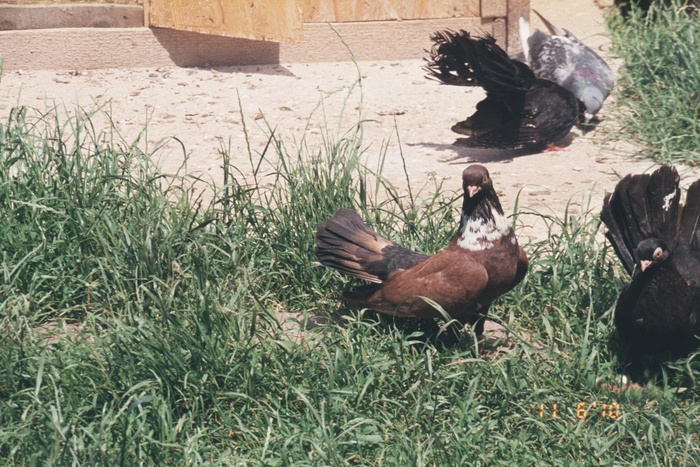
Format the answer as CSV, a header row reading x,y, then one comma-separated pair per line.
x,y
269,20
494,8
381,10
71,2
90,48
373,40
70,16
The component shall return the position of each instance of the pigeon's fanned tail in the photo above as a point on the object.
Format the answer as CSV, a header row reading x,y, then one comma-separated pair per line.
x,y
636,207
690,219
344,242
642,206
626,219
616,232
446,63
456,58
498,73
664,196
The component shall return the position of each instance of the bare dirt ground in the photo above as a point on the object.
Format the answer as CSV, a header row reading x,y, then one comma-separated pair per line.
x,y
406,114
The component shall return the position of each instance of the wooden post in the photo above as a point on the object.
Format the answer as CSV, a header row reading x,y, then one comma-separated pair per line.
x,y
146,10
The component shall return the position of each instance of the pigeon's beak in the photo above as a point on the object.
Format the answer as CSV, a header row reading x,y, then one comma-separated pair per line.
x,y
473,190
643,264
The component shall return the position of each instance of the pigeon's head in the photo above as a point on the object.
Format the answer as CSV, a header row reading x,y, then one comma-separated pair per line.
x,y
476,181
651,251
592,99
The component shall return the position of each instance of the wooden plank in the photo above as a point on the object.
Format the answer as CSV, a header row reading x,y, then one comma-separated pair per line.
x,y
270,20
72,2
315,11
91,48
70,16
94,48
494,8
373,40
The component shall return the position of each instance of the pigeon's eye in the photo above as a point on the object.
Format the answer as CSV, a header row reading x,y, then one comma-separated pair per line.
x,y
485,181
658,253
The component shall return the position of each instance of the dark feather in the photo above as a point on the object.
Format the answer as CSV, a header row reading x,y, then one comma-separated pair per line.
x,y
617,234
664,197
622,220
690,220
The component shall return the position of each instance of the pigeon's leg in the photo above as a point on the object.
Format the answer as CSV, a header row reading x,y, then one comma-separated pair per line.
x,y
553,147
624,385
476,321
479,326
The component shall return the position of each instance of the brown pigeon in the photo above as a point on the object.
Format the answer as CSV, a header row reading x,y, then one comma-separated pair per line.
x,y
482,262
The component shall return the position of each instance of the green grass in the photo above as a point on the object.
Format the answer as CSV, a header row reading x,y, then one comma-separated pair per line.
x,y
658,85
139,324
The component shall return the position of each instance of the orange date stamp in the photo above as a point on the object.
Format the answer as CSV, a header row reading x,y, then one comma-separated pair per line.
x,y
583,410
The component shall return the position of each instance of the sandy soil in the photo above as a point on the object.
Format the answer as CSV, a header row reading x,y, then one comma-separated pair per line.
x,y
204,107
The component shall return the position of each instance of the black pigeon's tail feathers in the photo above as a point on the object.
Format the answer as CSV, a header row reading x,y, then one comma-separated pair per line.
x,y
640,207
688,247
664,196
690,219
614,216
457,58
344,242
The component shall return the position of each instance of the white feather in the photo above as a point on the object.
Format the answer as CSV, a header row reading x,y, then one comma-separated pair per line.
x,y
524,31
479,234
667,200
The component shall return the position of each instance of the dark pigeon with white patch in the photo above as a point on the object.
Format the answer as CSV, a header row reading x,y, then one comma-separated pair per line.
x,y
482,262
560,57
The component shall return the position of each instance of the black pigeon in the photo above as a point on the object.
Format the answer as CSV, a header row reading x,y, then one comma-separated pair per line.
x,y
520,111
562,58
658,241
